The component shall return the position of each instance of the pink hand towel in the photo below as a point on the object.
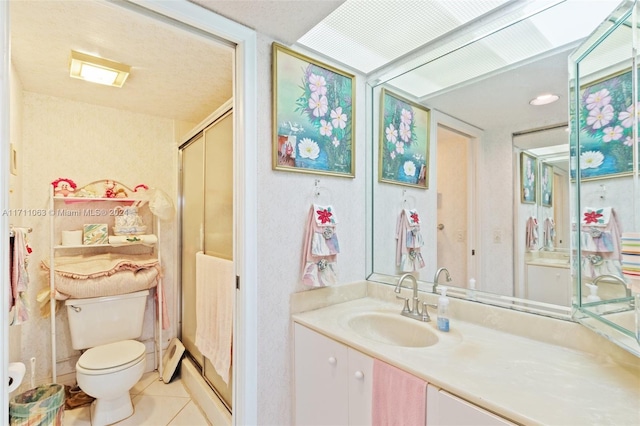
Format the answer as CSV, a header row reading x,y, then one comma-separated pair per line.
x,y
399,398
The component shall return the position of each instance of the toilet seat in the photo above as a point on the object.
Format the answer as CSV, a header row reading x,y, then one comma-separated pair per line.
x,y
112,357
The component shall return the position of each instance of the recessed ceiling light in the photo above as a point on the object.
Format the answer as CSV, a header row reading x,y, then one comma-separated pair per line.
x,y
544,99
98,70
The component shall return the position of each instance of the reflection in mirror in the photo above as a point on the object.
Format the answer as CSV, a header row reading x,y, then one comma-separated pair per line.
x,y
541,234
605,177
479,95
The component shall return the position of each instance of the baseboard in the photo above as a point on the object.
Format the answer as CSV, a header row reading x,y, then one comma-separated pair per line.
x,y
216,412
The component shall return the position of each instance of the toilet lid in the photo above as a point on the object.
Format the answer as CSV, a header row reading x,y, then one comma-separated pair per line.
x,y
112,355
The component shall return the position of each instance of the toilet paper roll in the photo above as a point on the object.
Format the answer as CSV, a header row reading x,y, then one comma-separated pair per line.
x,y
16,374
71,238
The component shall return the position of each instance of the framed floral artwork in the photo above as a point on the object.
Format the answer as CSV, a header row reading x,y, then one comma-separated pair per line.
x,y
606,116
546,185
404,141
313,115
528,178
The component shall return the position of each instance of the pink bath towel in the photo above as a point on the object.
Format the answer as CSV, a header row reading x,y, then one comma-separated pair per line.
x,y
399,398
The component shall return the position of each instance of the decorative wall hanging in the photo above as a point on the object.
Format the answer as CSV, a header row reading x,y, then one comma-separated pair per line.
x,y
606,119
409,241
404,141
313,115
528,178
321,248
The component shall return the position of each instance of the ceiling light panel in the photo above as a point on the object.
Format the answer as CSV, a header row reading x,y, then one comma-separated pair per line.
x,y
501,50
460,66
366,35
518,42
98,70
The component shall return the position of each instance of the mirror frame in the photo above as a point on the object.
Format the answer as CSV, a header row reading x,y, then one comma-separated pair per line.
x,y
595,320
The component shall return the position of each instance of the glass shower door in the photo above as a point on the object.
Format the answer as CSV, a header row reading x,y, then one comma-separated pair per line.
x,y
207,226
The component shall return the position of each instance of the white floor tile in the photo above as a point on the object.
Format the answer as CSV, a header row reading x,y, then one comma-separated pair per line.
x,y
189,416
160,388
144,382
77,417
154,410
155,404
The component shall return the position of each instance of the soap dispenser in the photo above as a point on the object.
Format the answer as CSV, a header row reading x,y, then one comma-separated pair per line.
x,y
443,311
593,290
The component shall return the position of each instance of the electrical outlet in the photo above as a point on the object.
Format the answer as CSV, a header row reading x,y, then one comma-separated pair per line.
x,y
497,236
459,236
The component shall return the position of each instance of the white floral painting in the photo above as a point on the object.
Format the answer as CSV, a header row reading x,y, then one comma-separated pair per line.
x,y
606,119
313,115
404,141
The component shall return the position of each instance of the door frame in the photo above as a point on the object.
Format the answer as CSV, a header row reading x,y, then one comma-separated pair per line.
x,y
474,134
245,131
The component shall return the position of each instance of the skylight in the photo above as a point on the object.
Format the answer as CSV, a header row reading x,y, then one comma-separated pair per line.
x,y
369,35
366,35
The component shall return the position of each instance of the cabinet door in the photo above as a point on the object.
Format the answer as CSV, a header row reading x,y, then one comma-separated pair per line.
x,y
433,415
453,411
549,284
321,369
360,388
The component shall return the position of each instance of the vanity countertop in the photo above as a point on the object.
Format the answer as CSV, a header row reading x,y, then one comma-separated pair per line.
x,y
524,380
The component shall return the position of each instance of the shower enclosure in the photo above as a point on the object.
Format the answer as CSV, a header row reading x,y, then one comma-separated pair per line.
x,y
207,224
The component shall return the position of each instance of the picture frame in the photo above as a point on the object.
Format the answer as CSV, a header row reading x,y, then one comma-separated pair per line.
x,y
605,128
313,115
528,178
403,157
546,185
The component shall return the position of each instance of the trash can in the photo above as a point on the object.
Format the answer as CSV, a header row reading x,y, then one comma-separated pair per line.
x,y
40,406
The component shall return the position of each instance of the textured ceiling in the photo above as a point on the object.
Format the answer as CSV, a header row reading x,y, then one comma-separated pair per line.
x,y
174,74
283,20
502,100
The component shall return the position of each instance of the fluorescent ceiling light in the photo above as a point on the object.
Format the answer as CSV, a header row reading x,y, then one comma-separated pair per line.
x,y
544,99
98,70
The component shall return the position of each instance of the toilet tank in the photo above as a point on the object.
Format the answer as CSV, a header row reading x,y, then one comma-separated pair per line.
x,y
101,320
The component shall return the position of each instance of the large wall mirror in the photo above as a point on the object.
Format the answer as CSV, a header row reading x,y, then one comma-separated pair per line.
x,y
485,140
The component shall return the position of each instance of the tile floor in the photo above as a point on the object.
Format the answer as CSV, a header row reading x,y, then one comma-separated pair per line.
x,y
155,404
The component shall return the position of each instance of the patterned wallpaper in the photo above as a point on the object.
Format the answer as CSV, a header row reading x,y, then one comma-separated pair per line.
x,y
62,138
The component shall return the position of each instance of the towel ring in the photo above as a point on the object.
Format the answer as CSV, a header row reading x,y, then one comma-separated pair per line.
x,y
319,192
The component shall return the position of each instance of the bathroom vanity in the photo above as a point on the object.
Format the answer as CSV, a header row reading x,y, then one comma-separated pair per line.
x,y
496,366
548,277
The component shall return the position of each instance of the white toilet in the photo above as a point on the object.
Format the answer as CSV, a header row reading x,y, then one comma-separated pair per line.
x,y
113,362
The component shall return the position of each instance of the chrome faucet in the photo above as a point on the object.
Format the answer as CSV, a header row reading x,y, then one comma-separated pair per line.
x,y
616,279
437,275
413,312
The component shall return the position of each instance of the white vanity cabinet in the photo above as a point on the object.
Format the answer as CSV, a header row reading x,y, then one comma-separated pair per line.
x,y
548,283
445,409
333,386
332,381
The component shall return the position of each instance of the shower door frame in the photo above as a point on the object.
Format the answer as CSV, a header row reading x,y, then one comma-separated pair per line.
x,y
199,134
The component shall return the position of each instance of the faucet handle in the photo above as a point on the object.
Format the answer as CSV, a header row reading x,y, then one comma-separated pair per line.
x,y
425,312
406,303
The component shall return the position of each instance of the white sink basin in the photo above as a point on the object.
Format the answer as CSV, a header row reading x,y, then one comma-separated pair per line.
x,y
393,329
